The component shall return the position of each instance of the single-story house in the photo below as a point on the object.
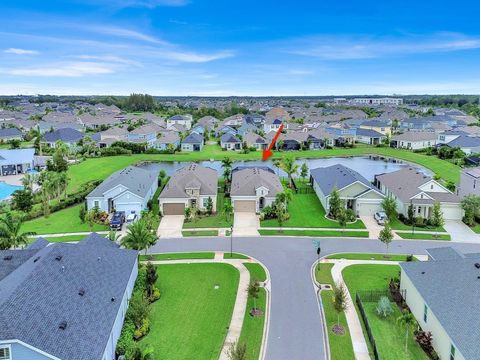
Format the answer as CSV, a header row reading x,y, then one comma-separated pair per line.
x,y
65,301
16,161
256,141
359,194
415,140
210,123
191,186
199,129
253,188
127,190
469,182
248,125
226,129
447,136
294,140
230,142
185,120
370,137
411,186
68,136
468,144
7,134
145,133
166,138
379,126
112,135
193,142
319,139
442,295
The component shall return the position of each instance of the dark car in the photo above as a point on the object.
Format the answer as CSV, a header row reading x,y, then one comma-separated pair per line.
x,y
117,221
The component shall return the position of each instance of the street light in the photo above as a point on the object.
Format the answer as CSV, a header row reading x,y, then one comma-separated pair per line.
x,y
231,241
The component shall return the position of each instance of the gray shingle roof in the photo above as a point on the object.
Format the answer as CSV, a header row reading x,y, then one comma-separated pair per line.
x,y
67,135
229,138
206,177
465,141
369,133
336,176
39,295
416,136
193,138
451,290
136,180
9,132
245,181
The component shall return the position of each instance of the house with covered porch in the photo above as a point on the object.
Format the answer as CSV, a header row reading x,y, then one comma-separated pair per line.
x,y
16,161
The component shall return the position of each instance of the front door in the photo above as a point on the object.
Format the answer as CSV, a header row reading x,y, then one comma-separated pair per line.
x,y
261,203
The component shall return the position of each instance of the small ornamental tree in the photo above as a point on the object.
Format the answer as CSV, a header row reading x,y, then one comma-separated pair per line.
x,y
386,235
237,351
209,205
408,321
151,278
188,213
389,205
335,203
253,291
339,301
411,216
227,209
342,218
304,171
384,307
437,217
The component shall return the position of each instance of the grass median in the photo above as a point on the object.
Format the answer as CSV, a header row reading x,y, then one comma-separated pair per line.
x,y
314,233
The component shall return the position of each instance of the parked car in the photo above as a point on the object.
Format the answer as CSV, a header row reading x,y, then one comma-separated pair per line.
x,y
117,221
380,217
131,218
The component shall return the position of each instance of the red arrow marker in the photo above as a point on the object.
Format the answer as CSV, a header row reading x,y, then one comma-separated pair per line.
x,y
267,153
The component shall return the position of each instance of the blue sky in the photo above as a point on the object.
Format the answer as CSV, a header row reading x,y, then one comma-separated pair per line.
x,y
195,47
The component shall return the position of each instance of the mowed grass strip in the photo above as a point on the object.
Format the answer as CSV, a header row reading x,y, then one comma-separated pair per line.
x,y
314,233
63,221
420,236
194,233
178,256
191,318
361,256
257,271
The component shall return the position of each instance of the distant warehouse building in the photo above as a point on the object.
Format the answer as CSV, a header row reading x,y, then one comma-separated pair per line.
x,y
377,101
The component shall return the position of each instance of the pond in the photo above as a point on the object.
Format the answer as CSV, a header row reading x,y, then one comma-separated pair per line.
x,y
368,166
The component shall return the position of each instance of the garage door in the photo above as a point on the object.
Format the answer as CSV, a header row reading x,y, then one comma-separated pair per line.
x,y
244,205
367,209
452,212
174,209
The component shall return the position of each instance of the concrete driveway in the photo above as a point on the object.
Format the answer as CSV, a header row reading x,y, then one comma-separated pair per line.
x,y
373,228
171,226
245,224
460,232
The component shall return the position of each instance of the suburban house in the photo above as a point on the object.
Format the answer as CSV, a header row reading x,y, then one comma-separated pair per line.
x,y
253,188
248,125
255,140
193,142
294,140
144,134
376,125
450,312
447,136
319,139
199,129
16,161
210,123
64,301
7,134
68,136
469,182
191,186
233,121
166,138
410,186
344,134
273,124
127,190
185,120
230,142
370,137
415,140
277,113
359,194
226,129
108,137
468,144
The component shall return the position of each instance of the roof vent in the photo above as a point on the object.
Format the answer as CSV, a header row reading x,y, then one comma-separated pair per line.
x,y
99,258
58,257
63,269
423,272
112,299
36,259
8,257
477,265
81,292
63,325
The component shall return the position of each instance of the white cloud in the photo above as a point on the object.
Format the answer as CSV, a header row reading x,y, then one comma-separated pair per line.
x,y
194,57
126,33
351,48
74,69
17,51
149,4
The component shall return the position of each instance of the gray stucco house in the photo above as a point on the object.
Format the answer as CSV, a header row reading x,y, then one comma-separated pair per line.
x,y
253,188
7,134
469,182
193,142
127,190
64,301
359,194
67,135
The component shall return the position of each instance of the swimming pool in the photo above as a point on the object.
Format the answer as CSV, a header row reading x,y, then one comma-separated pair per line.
x,y
6,190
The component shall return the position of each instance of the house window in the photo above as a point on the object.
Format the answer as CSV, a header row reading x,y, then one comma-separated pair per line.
x,y
431,187
425,313
5,353
452,352
96,204
205,202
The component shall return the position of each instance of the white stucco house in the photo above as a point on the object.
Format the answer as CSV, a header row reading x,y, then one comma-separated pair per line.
x,y
411,186
253,188
191,187
127,190
357,192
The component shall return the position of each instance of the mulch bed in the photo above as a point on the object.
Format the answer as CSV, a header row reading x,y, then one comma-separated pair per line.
x,y
256,312
338,329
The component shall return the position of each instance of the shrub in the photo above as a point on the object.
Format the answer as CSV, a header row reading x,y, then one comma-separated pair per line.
x,y
142,330
125,341
384,308
409,258
419,221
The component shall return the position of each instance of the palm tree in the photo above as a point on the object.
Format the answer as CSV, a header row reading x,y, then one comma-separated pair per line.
x,y
113,236
227,209
407,320
227,169
10,232
138,237
28,180
288,165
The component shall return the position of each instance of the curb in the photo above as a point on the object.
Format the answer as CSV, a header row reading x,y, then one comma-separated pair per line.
x,y
317,289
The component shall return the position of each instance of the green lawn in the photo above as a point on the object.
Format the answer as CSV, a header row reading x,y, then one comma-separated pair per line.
x,y
257,272
307,211
476,228
178,256
217,220
191,318
66,238
100,168
398,225
63,221
323,273
355,256
420,236
319,233
194,233
390,336
226,255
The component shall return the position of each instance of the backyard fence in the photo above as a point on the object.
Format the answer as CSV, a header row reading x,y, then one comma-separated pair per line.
x,y
374,295
371,338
